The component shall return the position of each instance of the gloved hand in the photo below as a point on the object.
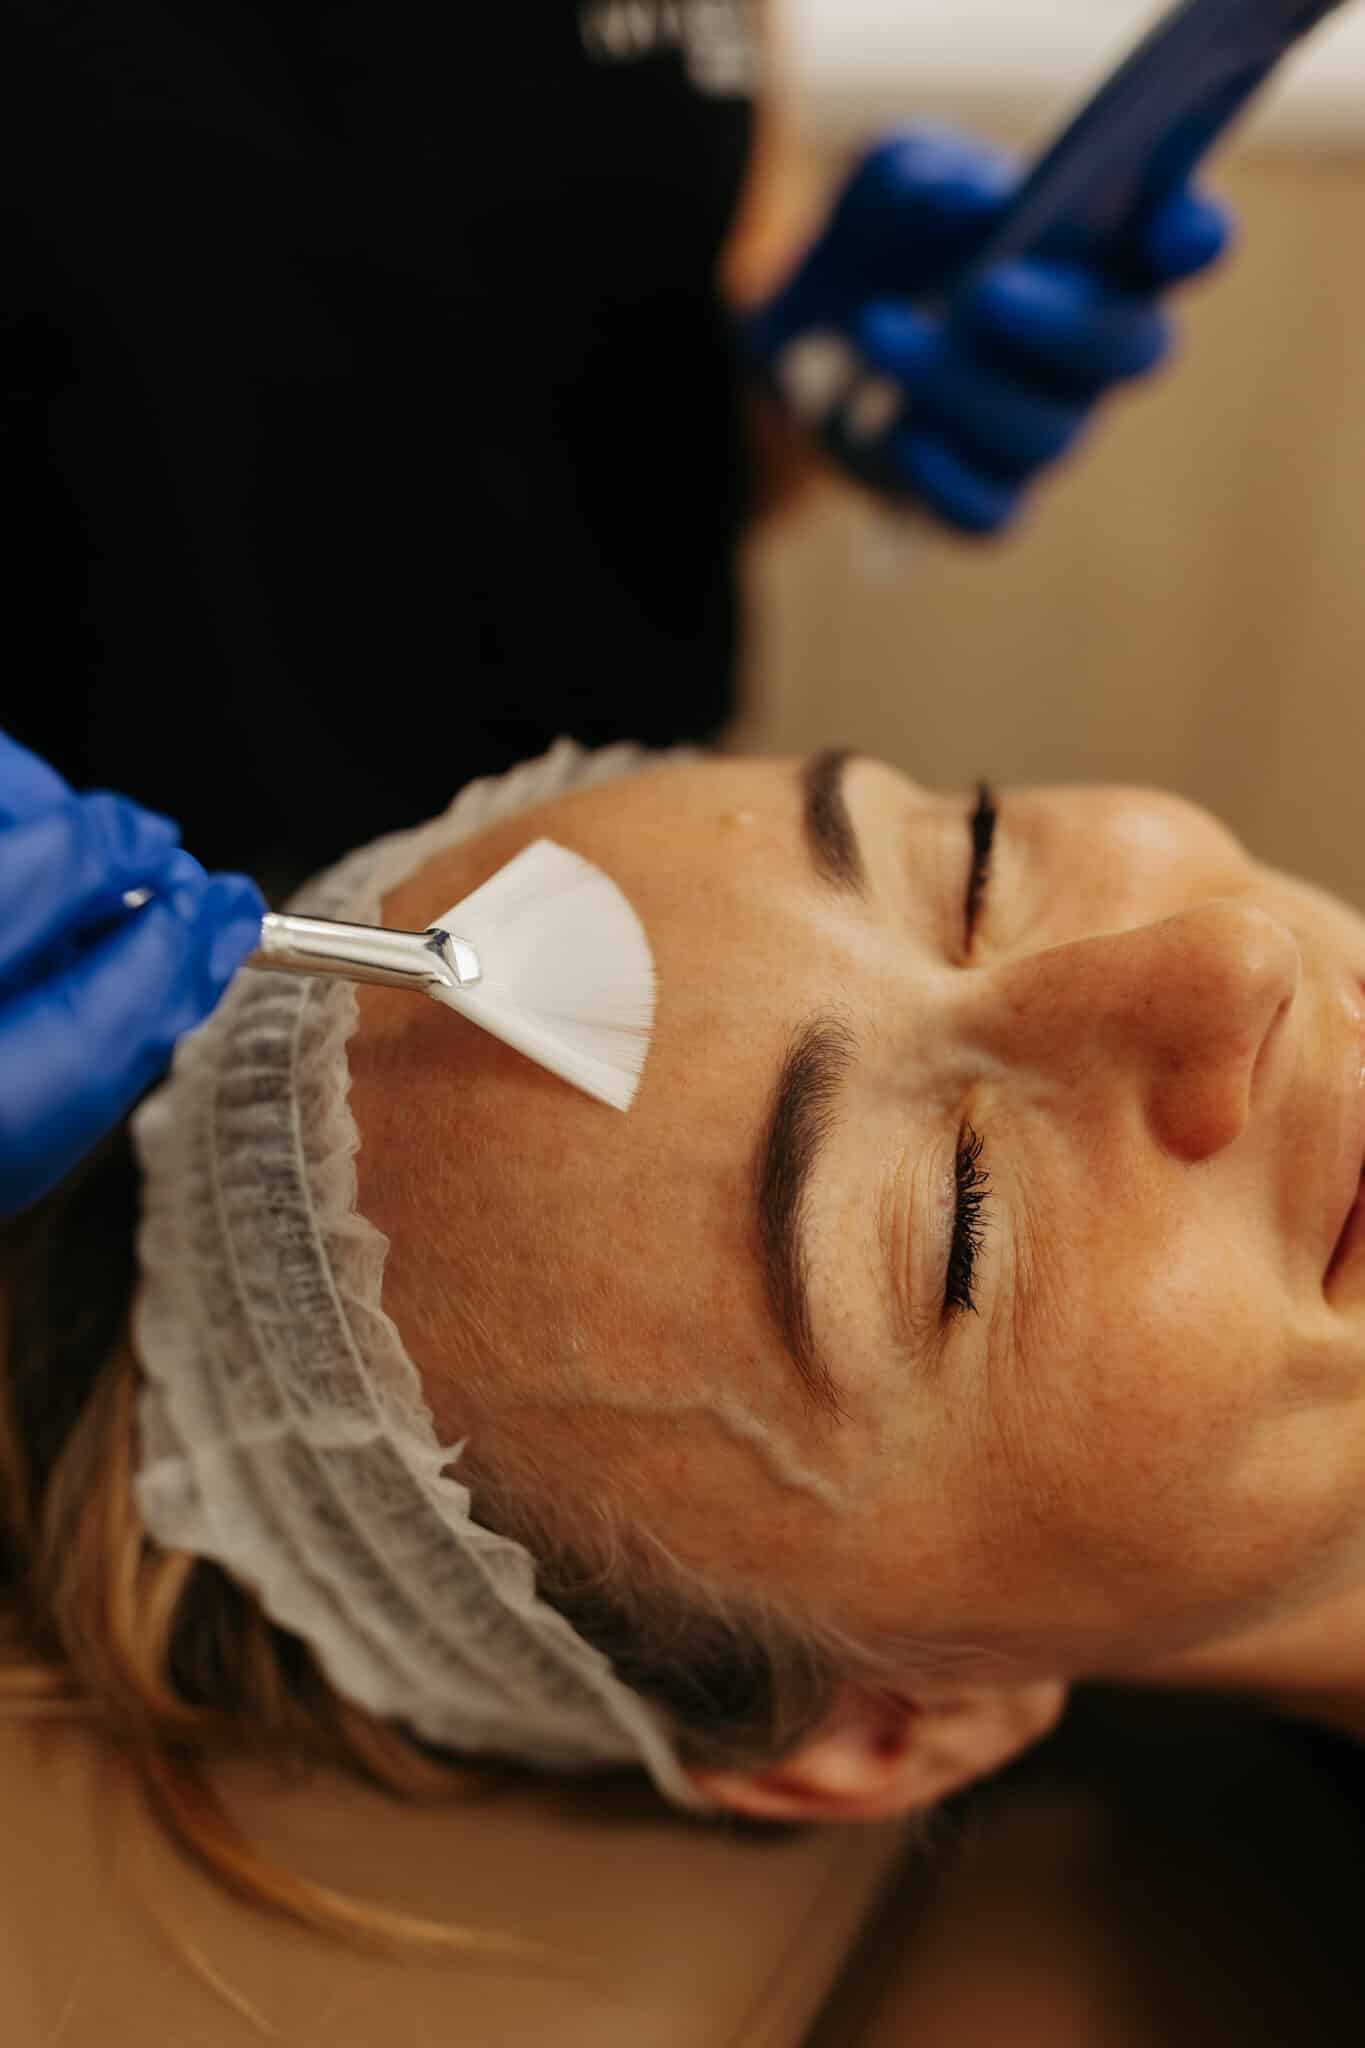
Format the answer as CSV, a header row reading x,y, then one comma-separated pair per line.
x,y
996,389
92,995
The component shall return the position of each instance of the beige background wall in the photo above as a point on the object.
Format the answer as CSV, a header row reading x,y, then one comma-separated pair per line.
x,y
1185,604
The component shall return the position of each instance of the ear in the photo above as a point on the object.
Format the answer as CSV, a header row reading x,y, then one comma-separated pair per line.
x,y
880,1753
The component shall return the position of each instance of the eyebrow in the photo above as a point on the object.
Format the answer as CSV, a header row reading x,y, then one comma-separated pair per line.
x,y
803,1103
830,837
801,1119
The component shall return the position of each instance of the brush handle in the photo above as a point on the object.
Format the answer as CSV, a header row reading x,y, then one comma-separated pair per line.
x,y
364,952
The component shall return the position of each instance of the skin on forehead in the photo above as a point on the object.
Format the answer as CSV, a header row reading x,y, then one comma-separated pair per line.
x,y
608,1262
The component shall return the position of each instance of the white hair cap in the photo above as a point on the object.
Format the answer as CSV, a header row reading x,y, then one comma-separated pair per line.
x,y
284,1429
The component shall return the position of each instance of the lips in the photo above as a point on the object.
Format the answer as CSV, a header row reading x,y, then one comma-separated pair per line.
x,y
1352,1232
1348,1211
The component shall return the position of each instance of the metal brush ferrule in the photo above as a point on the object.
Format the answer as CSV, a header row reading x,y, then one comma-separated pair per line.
x,y
364,952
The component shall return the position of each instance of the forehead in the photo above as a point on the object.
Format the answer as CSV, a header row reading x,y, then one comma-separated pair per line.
x,y
608,1261
657,830
712,857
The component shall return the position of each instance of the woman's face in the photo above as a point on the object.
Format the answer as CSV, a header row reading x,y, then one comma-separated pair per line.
x,y
977,1284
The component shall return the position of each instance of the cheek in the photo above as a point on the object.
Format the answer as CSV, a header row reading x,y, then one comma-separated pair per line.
x,y
1138,1445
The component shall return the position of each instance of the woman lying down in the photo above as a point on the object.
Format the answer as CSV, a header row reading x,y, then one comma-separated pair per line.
x,y
967,1305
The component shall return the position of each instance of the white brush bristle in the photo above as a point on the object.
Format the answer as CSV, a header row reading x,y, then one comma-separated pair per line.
x,y
567,973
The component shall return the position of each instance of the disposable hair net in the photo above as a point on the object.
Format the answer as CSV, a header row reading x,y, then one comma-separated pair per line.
x,y
283,1427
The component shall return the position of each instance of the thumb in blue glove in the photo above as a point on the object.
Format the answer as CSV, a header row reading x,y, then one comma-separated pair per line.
x,y
963,406
93,996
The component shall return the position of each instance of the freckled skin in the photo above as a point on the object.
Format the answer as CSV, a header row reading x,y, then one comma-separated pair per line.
x,y
1154,1427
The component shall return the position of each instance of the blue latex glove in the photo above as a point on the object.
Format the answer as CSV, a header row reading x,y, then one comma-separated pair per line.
x,y
999,388
92,995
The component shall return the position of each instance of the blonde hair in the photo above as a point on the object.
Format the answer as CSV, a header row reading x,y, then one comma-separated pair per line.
x,y
167,1654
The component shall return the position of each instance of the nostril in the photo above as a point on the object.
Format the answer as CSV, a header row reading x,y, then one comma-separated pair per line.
x,y
1255,968
1272,1033
1231,976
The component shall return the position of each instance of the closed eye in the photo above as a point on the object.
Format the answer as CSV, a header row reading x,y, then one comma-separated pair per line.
x,y
981,825
971,1181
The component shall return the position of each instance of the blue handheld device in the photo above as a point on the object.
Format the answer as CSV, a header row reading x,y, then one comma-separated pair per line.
x,y
1131,143
1150,122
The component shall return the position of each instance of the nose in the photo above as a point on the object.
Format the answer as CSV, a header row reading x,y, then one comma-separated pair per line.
x,y
1179,1012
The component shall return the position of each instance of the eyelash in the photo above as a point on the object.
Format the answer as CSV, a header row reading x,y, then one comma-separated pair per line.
x,y
971,1178
973,1183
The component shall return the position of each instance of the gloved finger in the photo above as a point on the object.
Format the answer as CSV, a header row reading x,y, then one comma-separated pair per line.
x,y
64,872
960,495
28,784
77,1051
1185,234
917,205
179,880
1066,325
1009,427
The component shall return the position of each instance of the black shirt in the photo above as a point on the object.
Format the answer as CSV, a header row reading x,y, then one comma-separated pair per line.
x,y
368,405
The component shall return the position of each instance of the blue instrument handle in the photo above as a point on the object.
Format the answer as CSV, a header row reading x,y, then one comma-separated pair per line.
x,y
1147,126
